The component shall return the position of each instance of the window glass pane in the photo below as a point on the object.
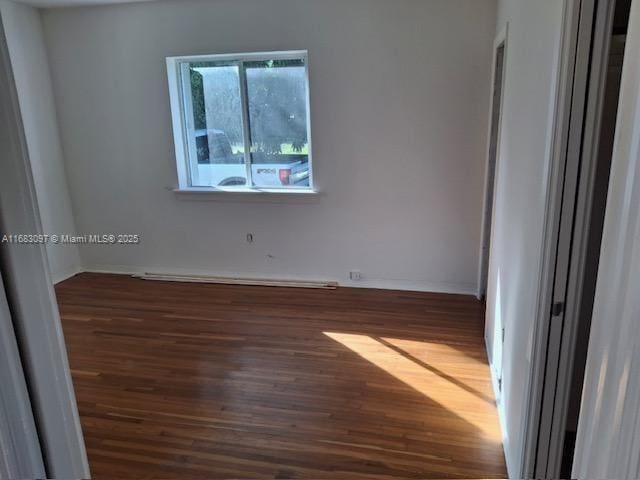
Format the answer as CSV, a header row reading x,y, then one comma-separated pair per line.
x,y
277,94
217,120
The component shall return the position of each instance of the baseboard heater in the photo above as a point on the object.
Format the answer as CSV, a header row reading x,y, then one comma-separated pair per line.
x,y
165,277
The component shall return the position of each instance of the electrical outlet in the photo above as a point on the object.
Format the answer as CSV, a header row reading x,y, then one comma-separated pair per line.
x,y
249,237
355,275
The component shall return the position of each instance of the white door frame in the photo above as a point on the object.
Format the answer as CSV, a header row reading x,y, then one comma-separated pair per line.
x,y
587,33
540,429
491,167
595,37
20,454
608,439
32,300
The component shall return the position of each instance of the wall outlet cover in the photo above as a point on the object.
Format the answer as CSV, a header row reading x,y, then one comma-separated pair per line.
x,y
355,275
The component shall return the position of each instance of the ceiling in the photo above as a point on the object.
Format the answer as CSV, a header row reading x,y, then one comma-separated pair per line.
x,y
72,3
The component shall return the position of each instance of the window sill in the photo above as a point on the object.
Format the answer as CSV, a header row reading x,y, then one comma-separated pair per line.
x,y
273,195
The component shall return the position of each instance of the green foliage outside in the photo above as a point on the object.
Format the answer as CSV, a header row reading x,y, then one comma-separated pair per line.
x,y
197,96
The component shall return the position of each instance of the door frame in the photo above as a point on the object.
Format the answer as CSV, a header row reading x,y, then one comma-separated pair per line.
x,y
491,170
608,438
21,454
551,226
575,147
31,298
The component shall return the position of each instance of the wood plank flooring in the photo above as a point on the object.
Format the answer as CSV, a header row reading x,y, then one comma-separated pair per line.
x,y
190,381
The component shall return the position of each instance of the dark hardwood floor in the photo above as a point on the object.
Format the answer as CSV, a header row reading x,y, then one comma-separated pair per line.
x,y
178,380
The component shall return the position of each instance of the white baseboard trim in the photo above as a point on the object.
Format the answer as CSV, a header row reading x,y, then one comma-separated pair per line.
x,y
57,277
280,282
377,283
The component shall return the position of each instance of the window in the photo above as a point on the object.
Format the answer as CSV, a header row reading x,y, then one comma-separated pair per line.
x,y
241,122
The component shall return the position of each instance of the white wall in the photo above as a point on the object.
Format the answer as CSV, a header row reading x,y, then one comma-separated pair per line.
x,y
23,31
534,38
399,99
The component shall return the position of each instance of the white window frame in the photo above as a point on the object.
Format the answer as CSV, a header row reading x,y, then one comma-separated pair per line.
x,y
182,119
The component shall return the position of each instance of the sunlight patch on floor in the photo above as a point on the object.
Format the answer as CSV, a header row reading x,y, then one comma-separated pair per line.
x,y
425,350
423,374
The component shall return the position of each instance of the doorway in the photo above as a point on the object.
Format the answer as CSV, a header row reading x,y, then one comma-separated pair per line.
x,y
578,212
608,116
494,142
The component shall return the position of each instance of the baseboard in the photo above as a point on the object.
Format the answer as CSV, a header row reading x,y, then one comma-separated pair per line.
x,y
246,281
377,283
65,275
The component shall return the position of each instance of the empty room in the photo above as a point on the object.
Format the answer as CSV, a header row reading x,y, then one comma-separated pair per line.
x,y
301,238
